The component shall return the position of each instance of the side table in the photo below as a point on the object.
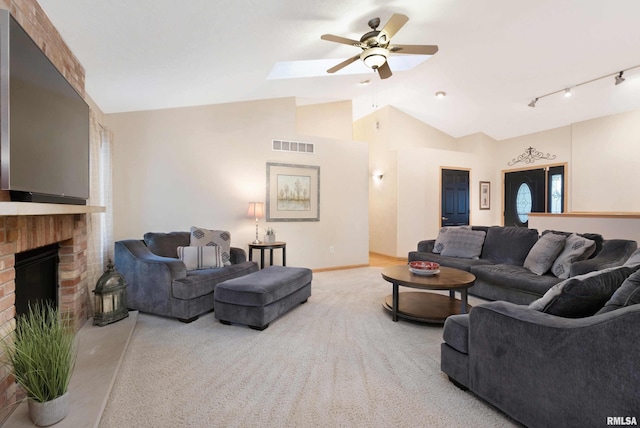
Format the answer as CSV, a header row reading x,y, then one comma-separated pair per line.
x,y
268,246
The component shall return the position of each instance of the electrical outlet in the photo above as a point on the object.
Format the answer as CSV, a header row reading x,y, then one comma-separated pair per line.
x,y
332,249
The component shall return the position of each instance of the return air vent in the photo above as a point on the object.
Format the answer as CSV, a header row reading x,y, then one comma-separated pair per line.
x,y
293,146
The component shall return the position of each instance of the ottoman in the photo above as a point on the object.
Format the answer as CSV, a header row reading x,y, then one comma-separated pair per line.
x,y
258,298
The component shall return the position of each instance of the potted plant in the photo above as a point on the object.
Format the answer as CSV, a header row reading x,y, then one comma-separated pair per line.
x,y
42,355
270,237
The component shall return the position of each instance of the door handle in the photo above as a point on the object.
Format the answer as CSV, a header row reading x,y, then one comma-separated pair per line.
x,y
445,218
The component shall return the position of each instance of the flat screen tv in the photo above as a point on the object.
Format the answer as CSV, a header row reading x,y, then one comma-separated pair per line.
x,y
44,124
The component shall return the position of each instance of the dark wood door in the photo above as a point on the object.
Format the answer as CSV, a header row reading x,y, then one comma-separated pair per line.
x,y
455,197
524,192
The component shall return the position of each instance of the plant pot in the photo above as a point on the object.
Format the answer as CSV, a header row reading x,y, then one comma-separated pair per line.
x,y
49,412
269,239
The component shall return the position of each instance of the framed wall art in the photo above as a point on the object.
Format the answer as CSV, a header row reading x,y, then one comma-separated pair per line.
x,y
293,192
485,195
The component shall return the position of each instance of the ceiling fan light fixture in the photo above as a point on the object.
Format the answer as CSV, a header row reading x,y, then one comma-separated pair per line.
x,y
374,57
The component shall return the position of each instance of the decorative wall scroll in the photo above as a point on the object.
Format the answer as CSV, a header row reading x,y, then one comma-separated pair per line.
x,y
531,155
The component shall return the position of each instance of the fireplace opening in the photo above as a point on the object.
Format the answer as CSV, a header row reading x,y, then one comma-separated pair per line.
x,y
36,277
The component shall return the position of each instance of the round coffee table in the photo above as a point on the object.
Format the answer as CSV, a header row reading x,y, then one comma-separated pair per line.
x,y
425,306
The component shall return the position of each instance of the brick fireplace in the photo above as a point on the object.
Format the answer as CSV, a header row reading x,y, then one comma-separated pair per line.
x,y
25,232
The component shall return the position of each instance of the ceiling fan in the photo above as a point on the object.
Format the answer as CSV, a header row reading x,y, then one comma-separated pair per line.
x,y
376,46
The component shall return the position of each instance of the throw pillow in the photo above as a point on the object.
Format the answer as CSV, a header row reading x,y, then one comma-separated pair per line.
x,y
544,253
633,259
201,237
196,258
442,238
575,248
583,295
628,294
463,243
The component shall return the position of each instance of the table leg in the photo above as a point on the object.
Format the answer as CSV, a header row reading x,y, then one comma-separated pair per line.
x,y
261,258
271,256
463,299
395,301
452,294
250,254
284,256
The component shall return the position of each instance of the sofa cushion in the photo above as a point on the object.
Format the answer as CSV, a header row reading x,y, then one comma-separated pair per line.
x,y
456,332
575,248
544,252
509,245
202,282
583,295
166,244
201,237
195,258
628,294
463,243
513,277
633,259
443,237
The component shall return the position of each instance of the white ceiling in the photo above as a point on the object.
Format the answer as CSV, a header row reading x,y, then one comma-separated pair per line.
x,y
495,56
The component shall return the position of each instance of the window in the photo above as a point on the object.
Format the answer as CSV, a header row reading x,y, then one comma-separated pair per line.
x,y
523,202
555,189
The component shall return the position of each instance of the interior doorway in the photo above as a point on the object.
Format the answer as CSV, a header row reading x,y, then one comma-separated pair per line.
x,y
455,197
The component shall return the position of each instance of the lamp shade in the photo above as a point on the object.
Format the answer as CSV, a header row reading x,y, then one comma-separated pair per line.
x,y
256,209
374,57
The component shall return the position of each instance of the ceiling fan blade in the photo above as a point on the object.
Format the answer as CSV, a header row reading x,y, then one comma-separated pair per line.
x,y
384,71
394,24
343,64
338,39
414,49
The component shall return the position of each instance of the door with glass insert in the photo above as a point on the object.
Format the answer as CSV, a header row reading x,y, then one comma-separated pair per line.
x,y
524,193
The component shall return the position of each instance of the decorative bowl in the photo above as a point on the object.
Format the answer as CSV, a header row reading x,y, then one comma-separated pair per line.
x,y
424,266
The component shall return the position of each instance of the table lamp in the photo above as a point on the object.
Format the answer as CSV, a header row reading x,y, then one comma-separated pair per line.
x,y
256,209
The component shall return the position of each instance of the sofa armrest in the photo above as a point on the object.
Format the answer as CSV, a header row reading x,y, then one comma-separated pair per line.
x,y
149,277
580,371
614,253
238,255
426,246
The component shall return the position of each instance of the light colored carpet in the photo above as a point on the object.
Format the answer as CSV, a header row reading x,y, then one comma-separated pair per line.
x,y
336,361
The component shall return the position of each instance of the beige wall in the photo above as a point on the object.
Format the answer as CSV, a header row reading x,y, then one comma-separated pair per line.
x,y
600,154
200,166
330,120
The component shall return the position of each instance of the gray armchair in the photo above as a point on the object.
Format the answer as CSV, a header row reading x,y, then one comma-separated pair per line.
x,y
159,283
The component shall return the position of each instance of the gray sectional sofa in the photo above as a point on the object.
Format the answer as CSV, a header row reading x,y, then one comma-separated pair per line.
x,y
159,283
570,359
499,265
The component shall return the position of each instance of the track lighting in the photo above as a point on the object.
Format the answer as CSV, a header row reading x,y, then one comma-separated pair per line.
x,y
567,91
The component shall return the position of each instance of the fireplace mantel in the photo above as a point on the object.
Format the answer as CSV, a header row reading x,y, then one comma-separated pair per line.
x,y
35,208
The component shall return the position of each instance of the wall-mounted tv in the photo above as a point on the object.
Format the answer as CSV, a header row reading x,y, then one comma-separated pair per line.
x,y
44,124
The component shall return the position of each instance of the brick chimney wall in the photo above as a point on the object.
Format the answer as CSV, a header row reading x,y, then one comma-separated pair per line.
x,y
21,233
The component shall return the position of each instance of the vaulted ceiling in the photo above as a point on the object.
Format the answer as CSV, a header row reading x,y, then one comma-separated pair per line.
x,y
495,56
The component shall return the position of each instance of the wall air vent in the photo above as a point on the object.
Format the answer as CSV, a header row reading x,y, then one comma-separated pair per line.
x,y
293,146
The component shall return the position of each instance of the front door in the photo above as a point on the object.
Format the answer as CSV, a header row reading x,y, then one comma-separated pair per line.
x,y
524,192
455,197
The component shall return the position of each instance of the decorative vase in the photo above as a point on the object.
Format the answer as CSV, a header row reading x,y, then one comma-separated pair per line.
x,y
49,412
270,239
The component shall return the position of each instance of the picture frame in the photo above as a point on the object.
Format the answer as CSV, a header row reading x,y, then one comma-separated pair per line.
x,y
293,192
485,195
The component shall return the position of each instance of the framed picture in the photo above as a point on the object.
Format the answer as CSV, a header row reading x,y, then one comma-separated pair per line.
x,y
293,192
485,195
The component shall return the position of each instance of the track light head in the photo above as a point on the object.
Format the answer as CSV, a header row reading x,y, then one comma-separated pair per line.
x,y
533,102
619,78
567,93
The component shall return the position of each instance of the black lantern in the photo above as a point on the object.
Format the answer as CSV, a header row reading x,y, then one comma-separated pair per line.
x,y
110,297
